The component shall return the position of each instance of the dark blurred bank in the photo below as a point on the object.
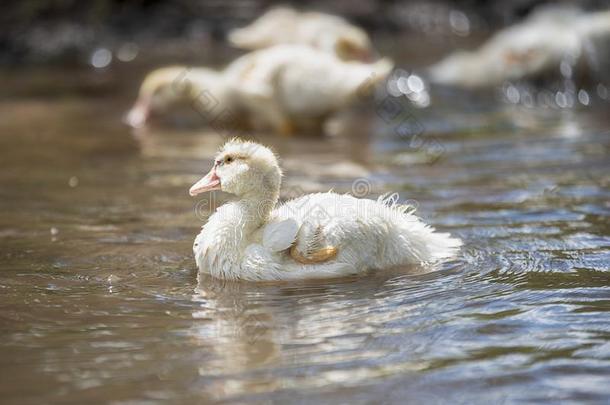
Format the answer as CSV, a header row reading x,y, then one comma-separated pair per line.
x,y
70,31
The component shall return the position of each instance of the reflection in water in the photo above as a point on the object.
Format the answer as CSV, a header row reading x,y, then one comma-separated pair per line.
x,y
100,298
317,325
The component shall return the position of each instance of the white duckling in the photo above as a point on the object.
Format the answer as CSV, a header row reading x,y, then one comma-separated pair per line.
x,y
315,236
204,89
537,45
287,88
326,32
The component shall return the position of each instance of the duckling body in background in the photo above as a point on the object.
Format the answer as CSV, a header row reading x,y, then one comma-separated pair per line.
x,y
315,236
536,46
287,88
328,33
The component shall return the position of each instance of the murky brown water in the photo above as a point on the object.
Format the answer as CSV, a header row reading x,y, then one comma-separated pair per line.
x,y
100,302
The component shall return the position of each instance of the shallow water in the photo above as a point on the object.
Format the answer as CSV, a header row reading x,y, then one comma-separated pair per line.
x,y
100,299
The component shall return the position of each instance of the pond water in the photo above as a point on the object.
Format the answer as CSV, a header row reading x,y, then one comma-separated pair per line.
x,y
100,300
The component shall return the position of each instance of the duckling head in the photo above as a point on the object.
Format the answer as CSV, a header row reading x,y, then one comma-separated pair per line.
x,y
245,169
361,79
160,89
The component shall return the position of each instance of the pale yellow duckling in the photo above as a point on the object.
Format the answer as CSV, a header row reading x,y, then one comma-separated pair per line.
x,y
540,44
286,88
254,238
326,32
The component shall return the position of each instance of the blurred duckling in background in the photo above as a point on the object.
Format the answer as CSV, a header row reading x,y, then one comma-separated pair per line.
x,y
538,45
286,88
326,32
290,88
170,87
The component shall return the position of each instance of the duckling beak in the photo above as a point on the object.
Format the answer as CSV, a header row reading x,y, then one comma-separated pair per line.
x,y
138,115
209,182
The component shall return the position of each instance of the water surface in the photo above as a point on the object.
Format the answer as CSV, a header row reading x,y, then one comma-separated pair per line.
x,y
100,298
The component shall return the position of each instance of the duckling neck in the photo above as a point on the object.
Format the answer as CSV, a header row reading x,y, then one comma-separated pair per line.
x,y
238,219
252,213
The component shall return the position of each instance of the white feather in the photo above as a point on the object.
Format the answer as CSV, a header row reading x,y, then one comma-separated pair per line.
x,y
278,236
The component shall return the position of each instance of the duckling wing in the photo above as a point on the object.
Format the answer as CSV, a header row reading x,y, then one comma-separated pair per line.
x,y
278,236
310,238
310,245
316,216
307,243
